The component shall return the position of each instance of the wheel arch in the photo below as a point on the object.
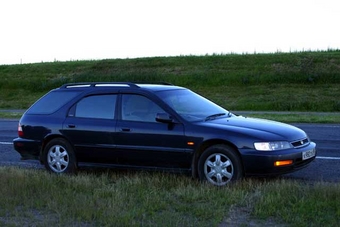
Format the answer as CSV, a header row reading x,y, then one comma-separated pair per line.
x,y
49,138
206,144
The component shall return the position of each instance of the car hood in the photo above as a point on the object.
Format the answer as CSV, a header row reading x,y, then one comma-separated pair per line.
x,y
258,128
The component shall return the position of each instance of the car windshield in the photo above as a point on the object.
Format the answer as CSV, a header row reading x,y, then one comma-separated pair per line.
x,y
192,106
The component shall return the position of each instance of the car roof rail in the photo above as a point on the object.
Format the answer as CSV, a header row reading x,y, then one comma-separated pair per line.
x,y
110,84
155,83
99,84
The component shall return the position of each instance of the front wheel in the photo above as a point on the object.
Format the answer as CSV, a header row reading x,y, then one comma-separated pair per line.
x,y
219,165
59,157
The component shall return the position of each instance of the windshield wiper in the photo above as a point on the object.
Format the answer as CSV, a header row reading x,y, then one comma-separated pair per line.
x,y
213,116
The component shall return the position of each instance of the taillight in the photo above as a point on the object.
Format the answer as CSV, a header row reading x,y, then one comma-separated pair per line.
x,y
20,132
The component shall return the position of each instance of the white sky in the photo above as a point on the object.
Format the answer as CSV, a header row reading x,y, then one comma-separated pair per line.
x,y
63,30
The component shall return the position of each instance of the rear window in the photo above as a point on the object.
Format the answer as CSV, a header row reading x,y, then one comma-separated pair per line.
x,y
52,101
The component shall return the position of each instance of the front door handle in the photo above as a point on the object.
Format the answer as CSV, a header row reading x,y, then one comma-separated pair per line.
x,y
71,126
125,130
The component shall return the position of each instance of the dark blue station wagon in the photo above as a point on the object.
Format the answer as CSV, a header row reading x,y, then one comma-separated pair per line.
x,y
155,126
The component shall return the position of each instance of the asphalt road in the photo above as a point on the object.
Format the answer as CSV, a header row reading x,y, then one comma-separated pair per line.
x,y
326,166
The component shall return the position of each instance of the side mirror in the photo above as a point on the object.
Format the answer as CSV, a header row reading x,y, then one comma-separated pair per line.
x,y
163,118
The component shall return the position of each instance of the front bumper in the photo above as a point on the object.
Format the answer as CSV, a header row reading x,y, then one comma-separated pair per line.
x,y
28,149
262,162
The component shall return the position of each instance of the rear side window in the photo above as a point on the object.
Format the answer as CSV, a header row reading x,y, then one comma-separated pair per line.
x,y
51,102
96,106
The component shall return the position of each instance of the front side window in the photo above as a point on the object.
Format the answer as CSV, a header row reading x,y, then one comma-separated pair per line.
x,y
96,106
139,108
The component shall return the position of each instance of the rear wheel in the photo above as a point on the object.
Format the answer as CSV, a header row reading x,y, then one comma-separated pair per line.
x,y
59,157
219,165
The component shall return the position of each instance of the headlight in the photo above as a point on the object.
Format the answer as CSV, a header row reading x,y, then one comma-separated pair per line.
x,y
272,146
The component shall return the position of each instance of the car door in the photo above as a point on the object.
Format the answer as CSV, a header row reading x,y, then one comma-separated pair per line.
x,y
89,125
142,141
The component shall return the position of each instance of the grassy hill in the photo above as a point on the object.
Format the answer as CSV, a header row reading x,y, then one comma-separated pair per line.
x,y
301,81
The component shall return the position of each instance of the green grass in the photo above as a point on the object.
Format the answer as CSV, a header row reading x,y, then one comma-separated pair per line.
x,y
299,204
10,115
124,198
301,81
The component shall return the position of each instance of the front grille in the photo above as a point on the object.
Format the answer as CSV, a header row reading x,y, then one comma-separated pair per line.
x,y
300,143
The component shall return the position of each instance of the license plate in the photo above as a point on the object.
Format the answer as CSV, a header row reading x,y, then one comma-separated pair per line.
x,y
308,154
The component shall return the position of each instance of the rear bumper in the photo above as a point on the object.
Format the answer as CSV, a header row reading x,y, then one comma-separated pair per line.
x,y
262,162
28,149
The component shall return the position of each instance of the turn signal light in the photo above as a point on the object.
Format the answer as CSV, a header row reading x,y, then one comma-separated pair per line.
x,y
283,163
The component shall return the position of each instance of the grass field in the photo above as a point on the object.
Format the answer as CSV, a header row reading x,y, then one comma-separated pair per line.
x,y
306,81
124,198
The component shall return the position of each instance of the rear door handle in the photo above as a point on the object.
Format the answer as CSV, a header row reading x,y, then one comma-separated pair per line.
x,y
125,130
71,126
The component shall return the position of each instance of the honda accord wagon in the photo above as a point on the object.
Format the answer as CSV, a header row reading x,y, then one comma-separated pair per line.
x,y
155,127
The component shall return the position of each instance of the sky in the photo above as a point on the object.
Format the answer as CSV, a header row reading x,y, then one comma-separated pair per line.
x,y
68,30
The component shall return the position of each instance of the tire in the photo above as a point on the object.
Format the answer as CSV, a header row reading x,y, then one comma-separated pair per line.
x,y
59,157
219,165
